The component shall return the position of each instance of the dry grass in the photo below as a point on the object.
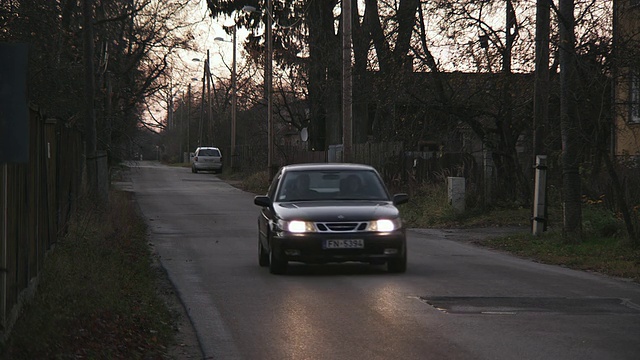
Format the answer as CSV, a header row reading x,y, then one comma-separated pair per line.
x,y
97,295
605,255
428,207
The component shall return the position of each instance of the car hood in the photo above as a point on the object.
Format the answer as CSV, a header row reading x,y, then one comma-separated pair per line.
x,y
336,210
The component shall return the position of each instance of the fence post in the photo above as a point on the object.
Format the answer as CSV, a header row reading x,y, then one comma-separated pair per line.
x,y
539,216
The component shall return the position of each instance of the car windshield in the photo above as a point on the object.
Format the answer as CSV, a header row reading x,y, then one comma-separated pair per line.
x,y
209,152
331,185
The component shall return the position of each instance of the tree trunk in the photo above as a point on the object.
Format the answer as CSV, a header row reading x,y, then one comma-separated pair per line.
x,y
361,78
320,30
90,136
541,83
395,65
571,183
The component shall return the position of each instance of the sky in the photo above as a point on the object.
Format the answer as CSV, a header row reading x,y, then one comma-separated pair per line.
x,y
205,30
186,70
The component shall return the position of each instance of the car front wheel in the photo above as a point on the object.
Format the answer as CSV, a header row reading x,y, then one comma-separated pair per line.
x,y
397,265
277,265
263,255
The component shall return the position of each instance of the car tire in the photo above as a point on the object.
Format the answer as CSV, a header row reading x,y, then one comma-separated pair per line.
x,y
277,265
397,265
194,170
263,255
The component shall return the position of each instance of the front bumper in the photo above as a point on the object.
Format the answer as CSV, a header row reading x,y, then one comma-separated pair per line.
x,y
309,247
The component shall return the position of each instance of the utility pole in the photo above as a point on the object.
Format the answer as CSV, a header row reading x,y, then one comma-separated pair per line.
x,y
268,84
234,88
268,78
347,98
234,100
511,28
209,127
200,126
189,119
541,85
181,131
505,123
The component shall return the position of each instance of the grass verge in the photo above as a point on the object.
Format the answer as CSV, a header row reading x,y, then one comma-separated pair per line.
x,y
605,255
98,293
428,207
603,249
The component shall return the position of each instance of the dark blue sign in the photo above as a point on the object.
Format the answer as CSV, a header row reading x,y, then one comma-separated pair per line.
x,y
14,112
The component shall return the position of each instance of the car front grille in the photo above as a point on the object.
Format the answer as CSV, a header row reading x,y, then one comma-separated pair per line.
x,y
341,226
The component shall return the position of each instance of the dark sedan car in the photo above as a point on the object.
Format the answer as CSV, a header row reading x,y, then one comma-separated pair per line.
x,y
322,213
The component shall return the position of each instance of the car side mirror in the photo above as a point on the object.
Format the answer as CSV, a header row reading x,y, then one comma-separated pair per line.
x,y
262,200
399,199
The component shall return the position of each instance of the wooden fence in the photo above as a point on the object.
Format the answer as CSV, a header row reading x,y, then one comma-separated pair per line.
x,y
36,199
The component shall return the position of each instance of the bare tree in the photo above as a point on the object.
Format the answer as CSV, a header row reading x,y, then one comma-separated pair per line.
x,y
132,40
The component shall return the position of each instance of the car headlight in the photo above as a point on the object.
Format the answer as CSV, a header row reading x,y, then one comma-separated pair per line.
x,y
297,226
384,225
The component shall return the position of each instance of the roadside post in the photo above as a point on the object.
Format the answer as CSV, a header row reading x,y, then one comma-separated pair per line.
x,y
456,193
539,216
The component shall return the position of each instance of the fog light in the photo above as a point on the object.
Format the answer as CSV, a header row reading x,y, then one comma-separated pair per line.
x,y
390,251
291,252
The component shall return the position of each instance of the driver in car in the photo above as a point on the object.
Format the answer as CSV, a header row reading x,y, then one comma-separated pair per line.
x,y
302,190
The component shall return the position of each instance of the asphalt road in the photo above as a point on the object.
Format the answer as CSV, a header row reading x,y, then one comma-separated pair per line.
x,y
456,301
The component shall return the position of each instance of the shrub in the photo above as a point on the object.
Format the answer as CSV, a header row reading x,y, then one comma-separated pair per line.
x,y
600,222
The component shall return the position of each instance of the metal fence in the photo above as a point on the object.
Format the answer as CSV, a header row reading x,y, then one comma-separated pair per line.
x,y
37,199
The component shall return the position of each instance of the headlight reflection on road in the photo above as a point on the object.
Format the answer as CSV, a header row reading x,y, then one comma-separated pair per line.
x,y
295,316
384,299
306,333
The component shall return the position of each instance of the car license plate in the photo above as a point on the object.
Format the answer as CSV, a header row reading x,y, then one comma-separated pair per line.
x,y
344,244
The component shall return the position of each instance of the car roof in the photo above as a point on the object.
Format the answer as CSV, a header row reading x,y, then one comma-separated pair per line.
x,y
207,147
326,166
